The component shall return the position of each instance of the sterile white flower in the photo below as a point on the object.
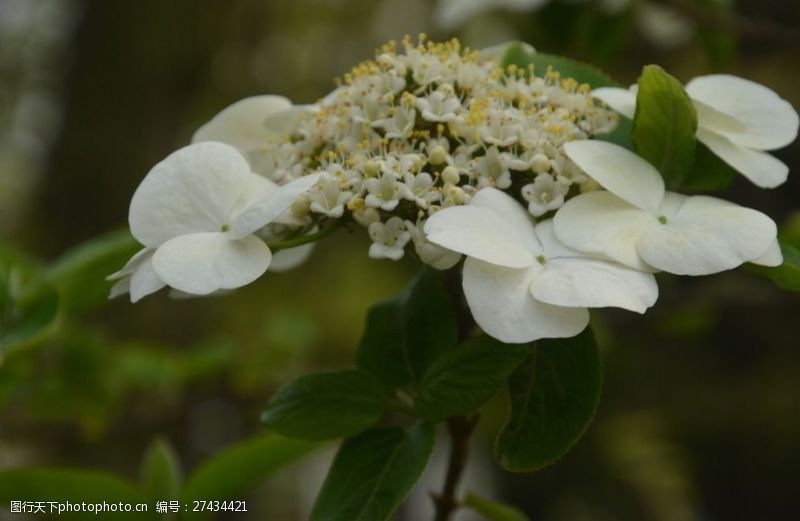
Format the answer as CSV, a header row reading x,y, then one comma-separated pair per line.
x,y
198,210
637,223
388,238
738,120
520,282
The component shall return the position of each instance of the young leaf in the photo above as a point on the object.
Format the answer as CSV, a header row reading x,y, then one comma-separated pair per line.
x,y
372,474
517,54
326,405
63,485
787,275
466,377
492,510
162,475
406,333
238,468
664,125
554,394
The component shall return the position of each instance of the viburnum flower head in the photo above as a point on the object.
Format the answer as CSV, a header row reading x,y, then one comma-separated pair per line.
x,y
197,213
521,283
637,223
737,119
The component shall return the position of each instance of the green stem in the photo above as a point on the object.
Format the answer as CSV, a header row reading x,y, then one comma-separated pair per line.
x,y
305,239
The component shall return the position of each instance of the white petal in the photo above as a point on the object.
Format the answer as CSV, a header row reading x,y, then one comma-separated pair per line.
x,y
286,121
601,223
552,246
130,266
712,119
621,100
193,190
771,122
620,171
242,124
761,168
271,207
284,260
503,306
120,288
202,263
592,283
480,233
509,209
145,280
707,235
773,256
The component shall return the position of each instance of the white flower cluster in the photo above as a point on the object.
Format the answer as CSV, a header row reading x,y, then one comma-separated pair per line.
x,y
435,148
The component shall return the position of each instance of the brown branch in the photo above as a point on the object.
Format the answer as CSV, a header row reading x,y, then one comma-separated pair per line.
x,y
460,428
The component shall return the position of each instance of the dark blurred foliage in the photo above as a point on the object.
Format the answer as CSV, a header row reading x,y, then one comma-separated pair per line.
x,y
700,417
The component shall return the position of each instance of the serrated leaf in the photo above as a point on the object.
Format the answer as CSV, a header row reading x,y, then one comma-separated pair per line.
x,y
373,473
406,333
63,485
466,377
493,510
554,394
664,125
326,405
162,476
787,275
238,468
516,54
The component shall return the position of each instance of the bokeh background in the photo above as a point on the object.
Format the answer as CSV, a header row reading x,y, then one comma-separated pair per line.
x,y
700,418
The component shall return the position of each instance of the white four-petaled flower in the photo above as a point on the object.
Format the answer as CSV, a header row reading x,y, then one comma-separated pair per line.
x,y
520,282
637,223
737,119
196,213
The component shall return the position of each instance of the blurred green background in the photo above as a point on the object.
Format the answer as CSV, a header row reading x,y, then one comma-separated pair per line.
x,y
700,418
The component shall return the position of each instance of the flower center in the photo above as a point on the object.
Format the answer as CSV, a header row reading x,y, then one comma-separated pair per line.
x,y
662,219
225,228
542,259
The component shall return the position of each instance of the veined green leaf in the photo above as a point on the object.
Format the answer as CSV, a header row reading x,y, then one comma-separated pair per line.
x,y
373,473
466,377
405,334
326,405
554,394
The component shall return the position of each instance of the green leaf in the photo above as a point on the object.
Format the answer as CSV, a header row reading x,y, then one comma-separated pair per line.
x,y
373,473
22,321
162,475
664,125
709,172
63,485
554,394
517,54
466,377
25,323
492,510
787,275
79,274
326,405
405,334
238,468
